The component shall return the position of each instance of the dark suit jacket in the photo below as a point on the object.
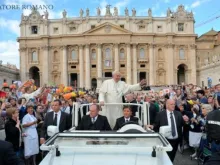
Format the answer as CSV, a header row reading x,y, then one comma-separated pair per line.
x,y
161,120
120,121
12,133
64,123
152,113
101,123
7,154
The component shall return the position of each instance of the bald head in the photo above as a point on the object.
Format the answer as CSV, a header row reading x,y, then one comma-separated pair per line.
x,y
116,75
170,105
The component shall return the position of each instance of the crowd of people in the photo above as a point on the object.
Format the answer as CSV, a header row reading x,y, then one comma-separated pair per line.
x,y
26,112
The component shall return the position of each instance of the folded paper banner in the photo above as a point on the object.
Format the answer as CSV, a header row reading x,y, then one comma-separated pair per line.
x,y
28,83
67,96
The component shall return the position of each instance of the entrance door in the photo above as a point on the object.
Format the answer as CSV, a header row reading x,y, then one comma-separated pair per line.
x,y
34,74
108,74
181,74
142,75
73,79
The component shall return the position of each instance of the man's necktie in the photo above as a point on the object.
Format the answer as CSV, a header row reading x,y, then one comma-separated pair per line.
x,y
126,121
172,125
93,120
55,120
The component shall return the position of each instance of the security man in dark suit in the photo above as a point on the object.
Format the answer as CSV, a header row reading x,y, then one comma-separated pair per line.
x,y
213,130
175,120
56,118
126,118
94,121
7,154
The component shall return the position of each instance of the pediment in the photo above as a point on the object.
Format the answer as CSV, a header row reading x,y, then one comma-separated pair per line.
x,y
107,28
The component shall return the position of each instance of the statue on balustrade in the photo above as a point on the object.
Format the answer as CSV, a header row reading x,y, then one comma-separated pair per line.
x,y
149,12
64,13
108,12
133,12
126,12
115,11
87,12
98,11
81,12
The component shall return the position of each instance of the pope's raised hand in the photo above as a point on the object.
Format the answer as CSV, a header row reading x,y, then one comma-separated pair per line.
x,y
102,103
143,82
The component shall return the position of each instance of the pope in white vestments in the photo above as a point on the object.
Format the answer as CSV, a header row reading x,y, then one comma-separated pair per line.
x,y
111,91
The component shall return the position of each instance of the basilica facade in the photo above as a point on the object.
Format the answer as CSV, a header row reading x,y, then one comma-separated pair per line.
x,y
83,51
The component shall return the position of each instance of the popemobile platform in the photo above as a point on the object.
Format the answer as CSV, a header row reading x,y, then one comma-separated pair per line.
x,y
131,145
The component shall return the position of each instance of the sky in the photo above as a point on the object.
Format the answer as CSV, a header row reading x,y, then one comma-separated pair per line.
x,y
204,11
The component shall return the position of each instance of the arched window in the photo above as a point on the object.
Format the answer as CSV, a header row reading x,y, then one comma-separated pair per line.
x,y
34,56
108,54
55,56
73,55
122,53
93,54
160,54
142,54
181,54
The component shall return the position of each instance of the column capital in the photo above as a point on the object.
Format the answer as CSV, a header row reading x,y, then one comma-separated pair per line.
x,y
22,49
99,45
151,45
81,46
128,44
116,45
87,45
73,47
134,45
46,47
63,47
170,45
193,46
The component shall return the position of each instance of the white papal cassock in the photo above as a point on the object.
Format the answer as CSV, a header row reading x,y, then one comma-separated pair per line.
x,y
112,92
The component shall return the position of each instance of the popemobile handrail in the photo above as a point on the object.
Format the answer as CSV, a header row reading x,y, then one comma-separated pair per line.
x,y
145,117
47,146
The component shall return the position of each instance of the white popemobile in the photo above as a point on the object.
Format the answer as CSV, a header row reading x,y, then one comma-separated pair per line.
x,y
131,145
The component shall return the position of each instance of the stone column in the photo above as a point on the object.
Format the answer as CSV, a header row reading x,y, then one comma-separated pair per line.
x,y
170,63
81,67
88,67
64,66
135,63
45,69
151,59
116,57
69,78
128,80
99,67
193,64
23,64
41,77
